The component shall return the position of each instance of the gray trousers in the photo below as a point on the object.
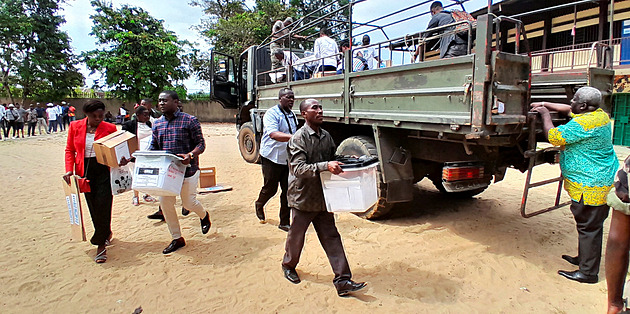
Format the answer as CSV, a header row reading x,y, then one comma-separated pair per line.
x,y
324,224
590,226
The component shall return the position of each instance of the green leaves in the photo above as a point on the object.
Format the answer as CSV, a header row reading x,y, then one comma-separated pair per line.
x,y
34,53
138,56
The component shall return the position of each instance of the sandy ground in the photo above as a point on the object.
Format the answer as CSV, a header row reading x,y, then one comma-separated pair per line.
x,y
432,255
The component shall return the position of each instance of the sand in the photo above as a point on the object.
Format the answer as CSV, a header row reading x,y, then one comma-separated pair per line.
x,y
432,255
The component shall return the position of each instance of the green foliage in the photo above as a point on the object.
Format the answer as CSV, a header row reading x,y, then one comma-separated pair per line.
x,y
232,31
139,57
34,53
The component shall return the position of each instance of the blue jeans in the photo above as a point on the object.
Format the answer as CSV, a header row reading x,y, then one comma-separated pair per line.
x,y
300,75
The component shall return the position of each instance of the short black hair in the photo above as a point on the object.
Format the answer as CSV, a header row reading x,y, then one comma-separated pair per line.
x,y
344,43
324,31
140,110
435,5
365,40
93,105
147,100
172,94
284,91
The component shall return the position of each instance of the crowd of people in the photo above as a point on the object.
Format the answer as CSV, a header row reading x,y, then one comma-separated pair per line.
x,y
327,54
47,119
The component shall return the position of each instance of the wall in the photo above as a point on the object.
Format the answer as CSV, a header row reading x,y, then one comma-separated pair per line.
x,y
205,111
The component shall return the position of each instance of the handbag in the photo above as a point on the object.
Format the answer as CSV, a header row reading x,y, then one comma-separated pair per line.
x,y
84,185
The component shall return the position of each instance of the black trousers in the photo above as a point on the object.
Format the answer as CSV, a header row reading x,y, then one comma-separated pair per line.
x,y
324,224
99,200
274,174
31,128
455,50
590,226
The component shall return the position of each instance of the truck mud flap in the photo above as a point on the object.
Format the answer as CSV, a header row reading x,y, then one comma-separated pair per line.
x,y
395,163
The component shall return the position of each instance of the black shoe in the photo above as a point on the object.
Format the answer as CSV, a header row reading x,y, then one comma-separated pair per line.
x,y
349,286
260,213
284,227
175,244
205,224
157,215
291,275
573,260
578,276
185,211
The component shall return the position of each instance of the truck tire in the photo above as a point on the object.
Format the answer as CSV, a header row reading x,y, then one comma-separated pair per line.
x,y
437,182
247,143
364,145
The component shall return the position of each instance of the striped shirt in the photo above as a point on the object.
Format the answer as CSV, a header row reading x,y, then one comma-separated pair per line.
x,y
179,135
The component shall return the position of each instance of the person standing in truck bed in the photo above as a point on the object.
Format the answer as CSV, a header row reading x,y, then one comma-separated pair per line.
x,y
451,45
588,164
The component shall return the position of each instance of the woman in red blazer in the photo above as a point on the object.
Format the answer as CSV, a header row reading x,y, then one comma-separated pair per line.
x,y
81,160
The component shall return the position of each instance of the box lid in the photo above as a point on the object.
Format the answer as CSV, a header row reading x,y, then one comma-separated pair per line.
x,y
121,137
108,137
350,162
156,153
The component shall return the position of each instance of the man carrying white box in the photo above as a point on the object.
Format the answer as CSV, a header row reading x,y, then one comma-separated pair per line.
x,y
311,151
180,133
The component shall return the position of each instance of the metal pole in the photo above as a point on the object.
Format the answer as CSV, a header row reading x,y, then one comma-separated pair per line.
x,y
489,6
612,20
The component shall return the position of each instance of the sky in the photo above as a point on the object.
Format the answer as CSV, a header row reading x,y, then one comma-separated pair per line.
x,y
180,17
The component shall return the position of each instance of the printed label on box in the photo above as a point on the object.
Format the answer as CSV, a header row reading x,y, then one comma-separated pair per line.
x,y
122,150
148,176
75,209
69,209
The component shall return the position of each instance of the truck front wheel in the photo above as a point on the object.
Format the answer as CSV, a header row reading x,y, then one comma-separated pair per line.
x,y
364,145
247,143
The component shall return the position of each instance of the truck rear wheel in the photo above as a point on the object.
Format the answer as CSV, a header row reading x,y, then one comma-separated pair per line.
x,y
364,145
247,143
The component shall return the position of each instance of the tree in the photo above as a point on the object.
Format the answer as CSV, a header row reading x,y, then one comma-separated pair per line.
x,y
34,53
139,57
236,27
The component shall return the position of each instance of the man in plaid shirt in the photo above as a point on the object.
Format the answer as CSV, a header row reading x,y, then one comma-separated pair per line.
x,y
180,133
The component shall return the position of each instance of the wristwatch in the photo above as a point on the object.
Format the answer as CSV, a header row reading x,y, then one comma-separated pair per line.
x,y
192,156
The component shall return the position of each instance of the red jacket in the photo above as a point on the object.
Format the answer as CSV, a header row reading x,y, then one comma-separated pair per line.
x,y
75,147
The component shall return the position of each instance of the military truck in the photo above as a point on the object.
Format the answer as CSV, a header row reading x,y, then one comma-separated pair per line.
x,y
460,122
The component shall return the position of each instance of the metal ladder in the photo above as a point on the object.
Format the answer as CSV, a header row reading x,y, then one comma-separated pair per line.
x,y
536,157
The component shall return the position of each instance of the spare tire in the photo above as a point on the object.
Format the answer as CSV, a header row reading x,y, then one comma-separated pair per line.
x,y
364,145
247,143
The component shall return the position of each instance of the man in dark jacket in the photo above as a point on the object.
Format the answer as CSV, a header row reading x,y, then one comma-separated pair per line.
x,y
451,45
311,151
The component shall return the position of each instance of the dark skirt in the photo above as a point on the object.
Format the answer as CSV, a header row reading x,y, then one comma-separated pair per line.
x,y
99,200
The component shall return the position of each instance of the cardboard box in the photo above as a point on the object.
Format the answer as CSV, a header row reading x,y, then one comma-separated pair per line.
x,y
207,177
75,212
158,173
354,190
111,148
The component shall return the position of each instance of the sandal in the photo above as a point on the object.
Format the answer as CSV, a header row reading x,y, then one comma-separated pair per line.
x,y
135,201
149,199
101,257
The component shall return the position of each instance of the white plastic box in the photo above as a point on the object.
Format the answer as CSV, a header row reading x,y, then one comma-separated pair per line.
x,y
158,173
354,190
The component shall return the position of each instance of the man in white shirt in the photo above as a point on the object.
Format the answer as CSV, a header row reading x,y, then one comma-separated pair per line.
x,y
326,50
279,124
3,111
52,113
368,53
